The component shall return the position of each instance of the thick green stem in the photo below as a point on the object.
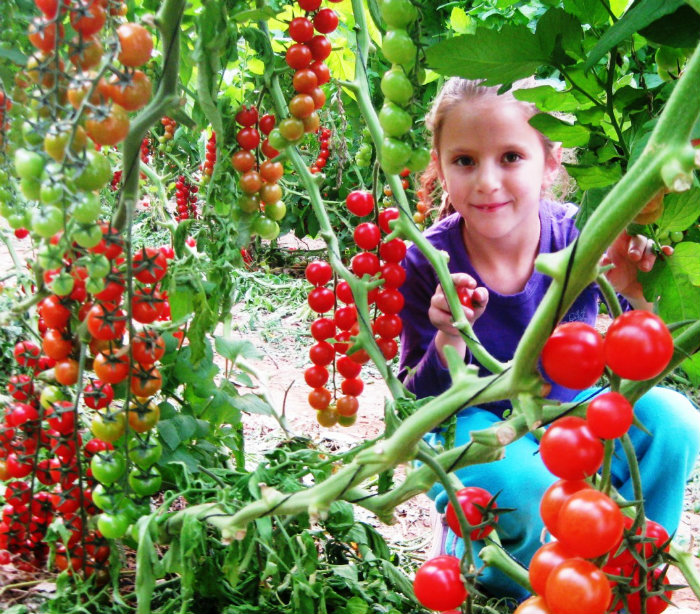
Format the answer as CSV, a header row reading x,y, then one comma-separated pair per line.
x,y
494,555
685,563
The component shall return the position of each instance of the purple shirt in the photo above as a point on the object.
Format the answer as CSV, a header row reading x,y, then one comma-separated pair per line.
x,y
503,322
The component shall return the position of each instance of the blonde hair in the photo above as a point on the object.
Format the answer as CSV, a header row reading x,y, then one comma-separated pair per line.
x,y
455,91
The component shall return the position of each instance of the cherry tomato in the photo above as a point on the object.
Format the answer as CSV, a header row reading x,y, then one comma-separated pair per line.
x,y
316,376
321,299
88,18
146,380
145,482
352,386
638,345
110,367
577,586
150,265
66,371
106,322
321,353
147,347
247,116
589,524
347,367
569,449
323,329
113,526
135,43
438,584
108,466
365,263
533,605
319,398
385,217
573,355
474,502
554,497
367,236
360,202
547,557
609,415
108,426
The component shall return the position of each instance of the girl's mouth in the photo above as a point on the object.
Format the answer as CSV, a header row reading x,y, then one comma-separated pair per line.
x,y
490,206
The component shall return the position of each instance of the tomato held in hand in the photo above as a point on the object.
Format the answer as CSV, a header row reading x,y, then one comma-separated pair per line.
x,y
638,345
573,355
474,501
438,584
569,449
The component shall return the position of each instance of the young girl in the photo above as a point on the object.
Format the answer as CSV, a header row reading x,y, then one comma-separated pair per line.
x,y
494,167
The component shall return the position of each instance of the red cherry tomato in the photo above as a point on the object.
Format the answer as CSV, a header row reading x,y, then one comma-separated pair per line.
x,y
577,586
638,345
438,584
554,497
609,415
569,449
474,502
573,355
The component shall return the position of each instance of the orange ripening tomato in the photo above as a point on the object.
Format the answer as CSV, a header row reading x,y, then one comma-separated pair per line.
x,y
110,130
136,44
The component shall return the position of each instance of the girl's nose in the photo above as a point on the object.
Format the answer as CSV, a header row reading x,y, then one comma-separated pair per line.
x,y
488,177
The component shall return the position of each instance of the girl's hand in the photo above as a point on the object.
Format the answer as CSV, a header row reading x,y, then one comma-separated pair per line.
x,y
441,316
630,254
439,312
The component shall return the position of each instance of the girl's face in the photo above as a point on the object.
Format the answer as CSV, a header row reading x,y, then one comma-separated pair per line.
x,y
494,166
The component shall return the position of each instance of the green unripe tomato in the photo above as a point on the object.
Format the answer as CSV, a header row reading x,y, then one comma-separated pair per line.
x,y
398,13
95,174
87,208
113,526
395,155
30,134
277,140
50,192
50,256
97,266
7,208
249,203
266,228
47,221
87,235
419,160
398,47
145,453
145,483
20,219
94,285
394,120
49,395
669,62
677,236
28,164
62,284
276,211
396,86
30,188
292,129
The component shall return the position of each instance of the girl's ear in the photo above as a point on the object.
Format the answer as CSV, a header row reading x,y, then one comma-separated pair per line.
x,y
552,166
436,161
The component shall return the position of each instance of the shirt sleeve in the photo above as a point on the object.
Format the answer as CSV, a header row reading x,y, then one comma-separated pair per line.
x,y
420,367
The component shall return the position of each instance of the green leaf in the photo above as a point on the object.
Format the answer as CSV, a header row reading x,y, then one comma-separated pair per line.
x,y
460,22
146,564
548,98
560,131
181,301
589,177
233,348
679,29
680,211
253,404
588,11
675,282
176,430
356,605
637,18
13,56
691,366
559,33
498,57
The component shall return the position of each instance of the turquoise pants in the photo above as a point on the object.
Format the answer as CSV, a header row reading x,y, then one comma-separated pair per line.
x,y
666,461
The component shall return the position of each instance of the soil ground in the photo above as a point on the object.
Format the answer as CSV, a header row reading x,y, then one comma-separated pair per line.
x,y
283,339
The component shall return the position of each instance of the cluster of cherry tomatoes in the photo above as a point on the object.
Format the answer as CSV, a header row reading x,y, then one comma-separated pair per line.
x,y
185,198
333,335
169,126
209,158
587,523
398,47
438,584
259,183
324,138
47,478
637,346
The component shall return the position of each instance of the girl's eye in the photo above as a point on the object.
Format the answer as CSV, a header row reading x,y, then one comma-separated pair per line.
x,y
464,161
511,156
